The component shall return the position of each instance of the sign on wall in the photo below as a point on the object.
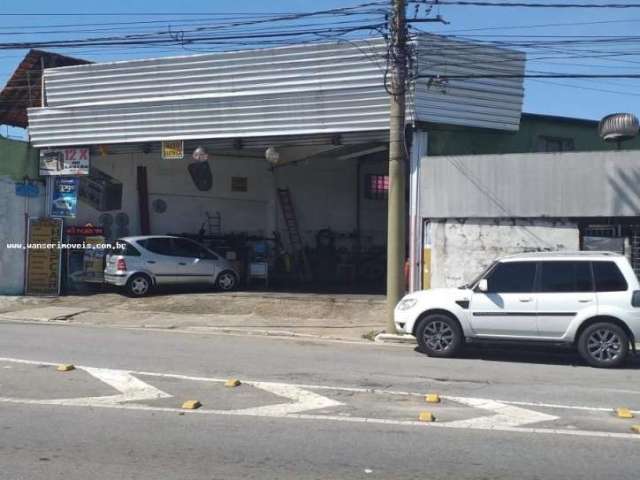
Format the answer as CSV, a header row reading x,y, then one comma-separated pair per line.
x,y
64,161
87,230
173,150
43,256
27,189
65,197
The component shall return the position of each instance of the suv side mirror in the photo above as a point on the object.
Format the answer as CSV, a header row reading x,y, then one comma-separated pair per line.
x,y
483,285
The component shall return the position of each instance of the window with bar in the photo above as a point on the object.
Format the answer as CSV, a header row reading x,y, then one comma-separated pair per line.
x,y
377,187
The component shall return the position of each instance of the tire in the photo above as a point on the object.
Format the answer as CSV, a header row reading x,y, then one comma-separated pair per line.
x,y
227,281
604,345
139,285
439,336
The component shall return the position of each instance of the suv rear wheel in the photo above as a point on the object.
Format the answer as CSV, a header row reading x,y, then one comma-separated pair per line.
x,y
603,345
439,336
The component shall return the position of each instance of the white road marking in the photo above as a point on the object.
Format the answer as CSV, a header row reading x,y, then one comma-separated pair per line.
x,y
555,405
131,388
505,415
304,401
338,418
506,419
376,391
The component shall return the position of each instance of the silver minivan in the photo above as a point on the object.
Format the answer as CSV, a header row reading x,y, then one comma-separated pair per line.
x,y
138,264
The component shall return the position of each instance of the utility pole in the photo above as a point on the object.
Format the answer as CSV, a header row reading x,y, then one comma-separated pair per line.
x,y
396,210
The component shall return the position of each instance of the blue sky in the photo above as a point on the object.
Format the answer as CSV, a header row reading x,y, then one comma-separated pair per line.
x,y
578,98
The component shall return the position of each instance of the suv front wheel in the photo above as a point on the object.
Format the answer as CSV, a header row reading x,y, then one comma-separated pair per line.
x,y
603,345
439,336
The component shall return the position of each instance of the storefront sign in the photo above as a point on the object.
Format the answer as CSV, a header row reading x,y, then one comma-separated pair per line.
x,y
27,189
43,256
83,231
173,150
93,260
65,197
85,257
64,161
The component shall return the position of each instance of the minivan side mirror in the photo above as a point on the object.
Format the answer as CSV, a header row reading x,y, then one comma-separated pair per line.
x,y
483,285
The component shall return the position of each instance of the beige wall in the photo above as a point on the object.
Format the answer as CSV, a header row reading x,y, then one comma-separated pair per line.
x,y
462,249
324,192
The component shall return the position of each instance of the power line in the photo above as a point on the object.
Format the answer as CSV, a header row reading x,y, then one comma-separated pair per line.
x,y
532,75
154,14
244,31
582,87
139,22
537,4
541,25
201,25
178,38
190,14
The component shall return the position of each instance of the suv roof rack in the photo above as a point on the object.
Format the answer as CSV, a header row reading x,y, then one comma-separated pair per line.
x,y
580,253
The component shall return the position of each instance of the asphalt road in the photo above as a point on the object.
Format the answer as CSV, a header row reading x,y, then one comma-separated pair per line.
x,y
305,409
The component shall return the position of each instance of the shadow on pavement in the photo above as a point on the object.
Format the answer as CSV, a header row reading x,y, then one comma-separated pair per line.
x,y
543,355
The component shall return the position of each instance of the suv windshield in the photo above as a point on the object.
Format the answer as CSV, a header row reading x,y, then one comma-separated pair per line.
x,y
478,277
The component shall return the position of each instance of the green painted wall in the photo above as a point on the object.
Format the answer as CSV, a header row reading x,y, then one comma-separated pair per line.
x,y
468,141
17,159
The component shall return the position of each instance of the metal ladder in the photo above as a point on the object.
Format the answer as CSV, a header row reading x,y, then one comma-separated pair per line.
x,y
214,223
295,239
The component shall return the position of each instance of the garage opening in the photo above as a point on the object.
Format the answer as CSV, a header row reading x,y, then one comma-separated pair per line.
x,y
303,213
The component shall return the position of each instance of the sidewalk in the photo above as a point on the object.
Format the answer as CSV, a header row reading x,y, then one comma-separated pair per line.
x,y
349,317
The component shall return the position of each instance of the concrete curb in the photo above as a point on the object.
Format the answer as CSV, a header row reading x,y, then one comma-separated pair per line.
x,y
43,314
246,331
194,329
393,338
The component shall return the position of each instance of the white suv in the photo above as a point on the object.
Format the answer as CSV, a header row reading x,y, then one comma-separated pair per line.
x,y
589,300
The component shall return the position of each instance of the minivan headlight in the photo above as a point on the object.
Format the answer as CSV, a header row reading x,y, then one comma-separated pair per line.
x,y
407,303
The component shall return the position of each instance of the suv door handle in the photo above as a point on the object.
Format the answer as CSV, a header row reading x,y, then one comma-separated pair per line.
x,y
526,299
181,263
585,300
151,261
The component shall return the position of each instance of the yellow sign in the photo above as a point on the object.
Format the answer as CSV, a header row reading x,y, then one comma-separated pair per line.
x,y
93,260
43,256
173,150
426,268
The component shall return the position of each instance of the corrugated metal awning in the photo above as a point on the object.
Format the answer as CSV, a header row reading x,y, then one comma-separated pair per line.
x,y
297,90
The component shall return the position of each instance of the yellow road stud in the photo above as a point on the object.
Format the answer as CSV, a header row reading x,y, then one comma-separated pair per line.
x,y
635,428
232,382
432,398
65,367
191,404
426,417
624,413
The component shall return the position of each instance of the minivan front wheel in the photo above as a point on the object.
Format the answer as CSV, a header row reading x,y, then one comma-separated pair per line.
x,y
439,336
138,285
604,345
